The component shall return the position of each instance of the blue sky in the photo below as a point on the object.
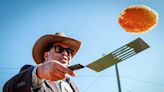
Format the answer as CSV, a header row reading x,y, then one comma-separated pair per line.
x,y
94,23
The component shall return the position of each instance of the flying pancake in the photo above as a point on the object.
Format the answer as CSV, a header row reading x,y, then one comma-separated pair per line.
x,y
138,19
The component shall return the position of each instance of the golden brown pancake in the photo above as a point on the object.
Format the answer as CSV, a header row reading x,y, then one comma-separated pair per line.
x,y
138,19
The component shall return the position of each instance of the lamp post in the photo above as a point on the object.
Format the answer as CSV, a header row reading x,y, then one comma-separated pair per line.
x,y
118,78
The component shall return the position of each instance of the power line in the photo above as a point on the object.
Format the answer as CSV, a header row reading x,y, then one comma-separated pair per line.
x,y
132,78
127,77
9,68
94,82
149,82
6,73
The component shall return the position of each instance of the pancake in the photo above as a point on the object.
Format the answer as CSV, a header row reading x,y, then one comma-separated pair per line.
x,y
138,19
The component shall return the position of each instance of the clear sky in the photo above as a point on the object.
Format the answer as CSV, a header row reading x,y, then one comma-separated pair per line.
x,y
95,24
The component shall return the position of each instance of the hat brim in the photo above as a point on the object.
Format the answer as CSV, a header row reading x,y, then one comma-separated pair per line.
x,y
42,44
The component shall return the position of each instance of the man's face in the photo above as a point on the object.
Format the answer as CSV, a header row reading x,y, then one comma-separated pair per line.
x,y
60,52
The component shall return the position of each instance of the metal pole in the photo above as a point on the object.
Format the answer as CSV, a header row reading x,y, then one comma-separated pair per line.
x,y
118,79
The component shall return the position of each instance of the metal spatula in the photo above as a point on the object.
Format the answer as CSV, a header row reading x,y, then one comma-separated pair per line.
x,y
119,55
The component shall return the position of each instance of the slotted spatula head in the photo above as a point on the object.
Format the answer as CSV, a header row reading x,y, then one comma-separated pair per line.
x,y
119,55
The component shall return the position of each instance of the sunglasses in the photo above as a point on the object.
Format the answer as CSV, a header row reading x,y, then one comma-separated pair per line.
x,y
60,49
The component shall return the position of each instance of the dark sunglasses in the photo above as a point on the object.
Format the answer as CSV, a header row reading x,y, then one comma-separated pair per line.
x,y
60,49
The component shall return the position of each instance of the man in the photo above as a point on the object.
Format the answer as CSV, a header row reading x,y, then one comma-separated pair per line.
x,y
53,54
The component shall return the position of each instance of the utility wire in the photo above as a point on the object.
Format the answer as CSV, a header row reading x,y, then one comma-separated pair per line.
x,y
94,82
9,68
149,82
7,73
106,76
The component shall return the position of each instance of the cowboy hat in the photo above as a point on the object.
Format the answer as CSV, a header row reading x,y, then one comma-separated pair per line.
x,y
43,43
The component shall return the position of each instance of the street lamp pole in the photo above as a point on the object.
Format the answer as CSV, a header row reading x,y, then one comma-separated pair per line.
x,y
118,79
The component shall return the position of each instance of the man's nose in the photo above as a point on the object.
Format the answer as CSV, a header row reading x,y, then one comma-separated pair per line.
x,y
65,53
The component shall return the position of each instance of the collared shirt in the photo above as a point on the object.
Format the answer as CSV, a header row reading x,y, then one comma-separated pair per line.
x,y
52,86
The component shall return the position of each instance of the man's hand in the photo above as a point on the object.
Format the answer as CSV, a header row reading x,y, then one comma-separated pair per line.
x,y
53,70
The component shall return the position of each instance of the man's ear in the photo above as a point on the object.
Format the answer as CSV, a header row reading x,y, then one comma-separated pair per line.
x,y
46,56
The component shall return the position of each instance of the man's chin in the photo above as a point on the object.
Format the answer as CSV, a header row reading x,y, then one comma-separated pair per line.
x,y
64,62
